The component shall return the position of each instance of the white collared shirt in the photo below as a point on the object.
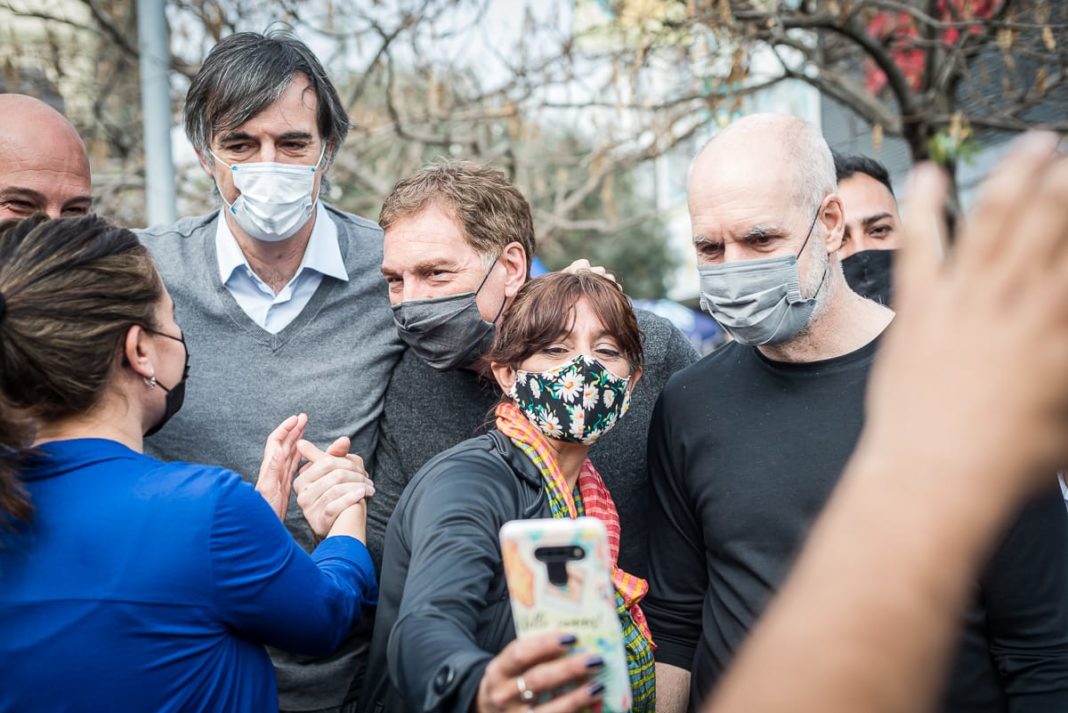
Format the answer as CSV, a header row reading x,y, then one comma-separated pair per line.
x,y
322,257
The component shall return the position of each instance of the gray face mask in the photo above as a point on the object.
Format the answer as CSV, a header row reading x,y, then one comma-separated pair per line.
x,y
758,301
446,332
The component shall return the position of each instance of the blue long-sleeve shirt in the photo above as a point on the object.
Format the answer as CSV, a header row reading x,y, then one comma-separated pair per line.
x,y
142,585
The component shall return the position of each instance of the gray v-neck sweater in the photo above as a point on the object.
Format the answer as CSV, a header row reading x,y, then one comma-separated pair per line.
x,y
333,362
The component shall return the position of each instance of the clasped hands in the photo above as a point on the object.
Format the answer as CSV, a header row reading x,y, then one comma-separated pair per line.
x,y
327,485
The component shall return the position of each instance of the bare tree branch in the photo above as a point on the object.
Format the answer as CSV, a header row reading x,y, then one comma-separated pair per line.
x,y
406,23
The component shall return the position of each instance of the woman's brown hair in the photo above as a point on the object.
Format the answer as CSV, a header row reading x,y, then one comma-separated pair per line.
x,y
544,311
69,291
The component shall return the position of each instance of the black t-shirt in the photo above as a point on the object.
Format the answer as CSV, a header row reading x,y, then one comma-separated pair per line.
x,y
743,454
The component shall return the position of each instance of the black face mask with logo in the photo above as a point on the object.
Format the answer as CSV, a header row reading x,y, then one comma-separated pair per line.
x,y
870,274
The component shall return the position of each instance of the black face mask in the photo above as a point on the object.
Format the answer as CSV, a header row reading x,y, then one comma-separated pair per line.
x,y
870,274
176,394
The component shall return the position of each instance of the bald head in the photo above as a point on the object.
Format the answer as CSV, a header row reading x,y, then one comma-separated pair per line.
x,y
756,188
43,164
784,150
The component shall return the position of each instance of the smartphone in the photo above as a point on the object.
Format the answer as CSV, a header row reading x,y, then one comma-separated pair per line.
x,y
559,579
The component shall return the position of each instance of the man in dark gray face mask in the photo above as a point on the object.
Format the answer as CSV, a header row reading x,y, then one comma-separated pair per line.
x,y
459,238
746,445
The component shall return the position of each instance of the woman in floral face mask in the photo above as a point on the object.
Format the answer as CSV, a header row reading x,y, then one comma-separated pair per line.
x,y
567,356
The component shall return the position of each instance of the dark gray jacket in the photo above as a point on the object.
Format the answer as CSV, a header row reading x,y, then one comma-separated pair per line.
x,y
443,609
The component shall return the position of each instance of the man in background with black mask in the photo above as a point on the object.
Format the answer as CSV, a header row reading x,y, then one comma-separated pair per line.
x,y
746,445
871,225
459,239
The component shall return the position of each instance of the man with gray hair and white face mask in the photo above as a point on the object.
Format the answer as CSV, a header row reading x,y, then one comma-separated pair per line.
x,y
281,302
746,446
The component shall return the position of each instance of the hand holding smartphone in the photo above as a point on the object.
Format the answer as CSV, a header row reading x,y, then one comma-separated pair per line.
x,y
559,579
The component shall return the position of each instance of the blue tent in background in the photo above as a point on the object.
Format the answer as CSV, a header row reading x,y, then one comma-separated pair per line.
x,y
537,267
703,332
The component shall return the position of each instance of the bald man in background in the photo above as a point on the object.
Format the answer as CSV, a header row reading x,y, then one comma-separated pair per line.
x,y
43,164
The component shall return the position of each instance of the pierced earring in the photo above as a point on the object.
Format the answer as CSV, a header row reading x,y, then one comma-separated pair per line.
x,y
150,381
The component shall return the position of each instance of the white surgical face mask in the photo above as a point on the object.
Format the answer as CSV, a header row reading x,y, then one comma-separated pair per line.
x,y
276,198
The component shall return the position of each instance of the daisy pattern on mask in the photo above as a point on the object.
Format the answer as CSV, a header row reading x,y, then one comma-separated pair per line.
x,y
550,425
570,386
577,422
535,388
590,395
609,397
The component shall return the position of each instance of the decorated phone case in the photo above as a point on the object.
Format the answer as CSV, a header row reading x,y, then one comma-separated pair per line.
x,y
559,579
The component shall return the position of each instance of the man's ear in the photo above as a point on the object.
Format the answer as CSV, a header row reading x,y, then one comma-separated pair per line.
x,y
514,259
206,165
504,374
832,217
137,352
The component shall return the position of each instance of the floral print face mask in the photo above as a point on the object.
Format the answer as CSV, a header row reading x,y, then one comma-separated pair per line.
x,y
577,402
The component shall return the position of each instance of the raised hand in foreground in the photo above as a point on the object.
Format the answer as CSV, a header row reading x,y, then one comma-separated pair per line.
x,y
280,461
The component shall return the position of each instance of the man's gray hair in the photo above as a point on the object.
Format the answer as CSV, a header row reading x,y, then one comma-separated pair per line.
x,y
798,147
244,74
812,160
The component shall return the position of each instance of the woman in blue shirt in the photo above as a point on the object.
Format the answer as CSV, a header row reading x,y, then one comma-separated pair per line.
x,y
127,583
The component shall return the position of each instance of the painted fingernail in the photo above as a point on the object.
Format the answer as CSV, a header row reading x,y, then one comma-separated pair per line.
x,y
568,640
597,689
594,662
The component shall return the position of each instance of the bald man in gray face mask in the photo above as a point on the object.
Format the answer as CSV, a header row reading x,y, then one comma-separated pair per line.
x,y
43,164
746,446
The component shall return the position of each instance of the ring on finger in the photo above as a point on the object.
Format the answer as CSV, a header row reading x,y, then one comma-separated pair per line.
x,y
525,694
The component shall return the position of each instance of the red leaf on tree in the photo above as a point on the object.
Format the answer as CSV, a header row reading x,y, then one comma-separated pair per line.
x,y
898,30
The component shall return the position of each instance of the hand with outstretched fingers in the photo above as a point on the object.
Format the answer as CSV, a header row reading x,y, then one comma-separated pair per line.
x,y
280,460
994,310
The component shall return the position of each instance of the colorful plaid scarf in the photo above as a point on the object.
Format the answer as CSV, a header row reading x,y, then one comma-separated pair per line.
x,y
592,498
